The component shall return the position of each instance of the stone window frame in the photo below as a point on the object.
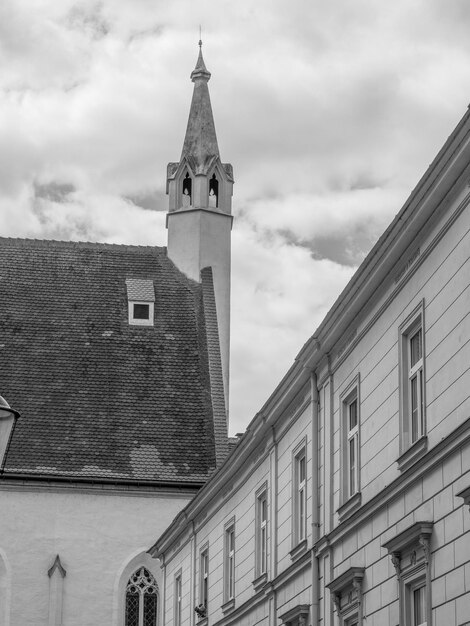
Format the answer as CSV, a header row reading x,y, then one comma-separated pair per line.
x,y
410,450
347,592
142,583
410,552
349,503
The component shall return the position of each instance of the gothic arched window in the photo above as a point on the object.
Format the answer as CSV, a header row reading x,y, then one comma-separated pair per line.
x,y
187,191
213,191
141,599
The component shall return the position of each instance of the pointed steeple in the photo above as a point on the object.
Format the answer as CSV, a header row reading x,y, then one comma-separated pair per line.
x,y
200,143
199,219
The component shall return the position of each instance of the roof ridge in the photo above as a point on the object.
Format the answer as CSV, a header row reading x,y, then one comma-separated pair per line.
x,y
103,244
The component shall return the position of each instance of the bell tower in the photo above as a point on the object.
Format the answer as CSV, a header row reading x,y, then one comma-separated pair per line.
x,y
199,219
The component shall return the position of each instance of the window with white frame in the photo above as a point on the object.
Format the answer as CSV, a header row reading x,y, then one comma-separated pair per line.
x,y
229,569
415,383
177,600
203,582
262,532
300,495
352,448
412,380
141,599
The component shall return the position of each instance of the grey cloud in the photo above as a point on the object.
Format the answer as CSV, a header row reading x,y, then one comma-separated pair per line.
x,y
57,192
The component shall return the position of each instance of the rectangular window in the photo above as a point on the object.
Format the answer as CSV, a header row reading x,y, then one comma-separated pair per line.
x,y
418,609
412,384
415,384
261,533
352,447
230,562
177,596
204,578
141,311
300,495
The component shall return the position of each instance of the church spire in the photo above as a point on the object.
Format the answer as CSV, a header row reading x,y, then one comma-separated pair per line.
x,y
199,219
200,142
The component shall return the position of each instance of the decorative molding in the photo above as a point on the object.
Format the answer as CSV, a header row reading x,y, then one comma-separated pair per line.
x,y
412,454
296,616
396,562
300,548
425,543
352,576
342,588
351,505
260,582
228,606
418,534
465,494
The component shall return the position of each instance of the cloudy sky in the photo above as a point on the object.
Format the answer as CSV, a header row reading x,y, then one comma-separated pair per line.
x,y
329,111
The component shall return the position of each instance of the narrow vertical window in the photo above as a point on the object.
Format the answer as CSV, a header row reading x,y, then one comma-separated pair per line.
x,y
213,191
352,447
230,563
413,441
300,496
418,608
350,453
262,533
415,377
141,599
187,191
177,600
204,582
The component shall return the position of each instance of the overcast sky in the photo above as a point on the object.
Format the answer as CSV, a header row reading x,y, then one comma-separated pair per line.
x,y
329,111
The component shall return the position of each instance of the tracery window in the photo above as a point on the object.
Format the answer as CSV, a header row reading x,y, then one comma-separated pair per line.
x,y
141,599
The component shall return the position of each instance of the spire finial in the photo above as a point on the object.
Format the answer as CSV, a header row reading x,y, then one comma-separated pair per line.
x,y
200,70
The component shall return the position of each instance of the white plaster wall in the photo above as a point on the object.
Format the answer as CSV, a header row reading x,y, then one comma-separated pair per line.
x,y
199,239
96,535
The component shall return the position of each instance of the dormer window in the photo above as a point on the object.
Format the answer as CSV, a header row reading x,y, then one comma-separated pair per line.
x,y
141,301
187,191
213,191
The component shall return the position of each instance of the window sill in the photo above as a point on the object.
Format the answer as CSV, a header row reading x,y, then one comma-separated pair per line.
x,y
300,548
412,454
228,606
202,622
351,505
259,582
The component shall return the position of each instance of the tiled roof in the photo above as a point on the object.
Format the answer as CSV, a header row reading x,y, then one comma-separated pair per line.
x,y
99,398
140,289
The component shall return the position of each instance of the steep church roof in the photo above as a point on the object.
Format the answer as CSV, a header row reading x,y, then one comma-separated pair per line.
x,y
99,398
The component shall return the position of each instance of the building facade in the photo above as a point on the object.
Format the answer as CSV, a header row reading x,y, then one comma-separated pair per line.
x,y
113,357
346,500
